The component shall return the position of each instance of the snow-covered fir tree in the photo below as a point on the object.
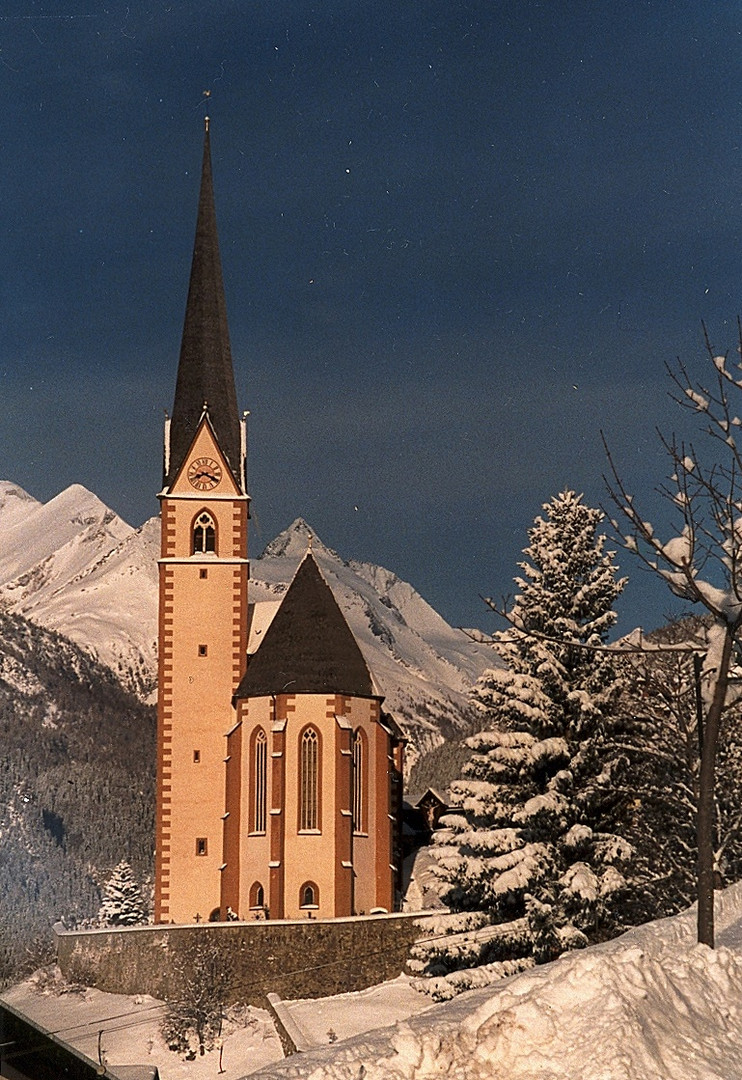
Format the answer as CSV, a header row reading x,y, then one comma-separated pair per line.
x,y
122,899
528,859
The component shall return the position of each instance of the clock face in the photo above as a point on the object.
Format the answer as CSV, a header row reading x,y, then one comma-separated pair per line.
x,y
204,473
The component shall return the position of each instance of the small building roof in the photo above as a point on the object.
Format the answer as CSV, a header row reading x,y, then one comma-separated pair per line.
x,y
430,795
308,648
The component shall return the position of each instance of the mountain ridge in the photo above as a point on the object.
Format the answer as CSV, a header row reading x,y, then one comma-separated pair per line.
x,y
93,578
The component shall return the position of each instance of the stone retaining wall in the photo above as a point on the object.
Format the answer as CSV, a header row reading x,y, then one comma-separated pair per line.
x,y
296,959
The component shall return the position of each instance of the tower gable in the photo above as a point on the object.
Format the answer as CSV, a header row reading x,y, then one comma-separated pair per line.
x,y
196,474
308,647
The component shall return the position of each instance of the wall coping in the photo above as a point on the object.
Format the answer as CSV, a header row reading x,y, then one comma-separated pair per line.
x,y
234,923
297,1041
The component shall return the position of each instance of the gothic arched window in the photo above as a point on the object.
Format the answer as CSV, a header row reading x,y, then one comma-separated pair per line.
x,y
259,781
309,895
257,896
309,780
360,784
204,534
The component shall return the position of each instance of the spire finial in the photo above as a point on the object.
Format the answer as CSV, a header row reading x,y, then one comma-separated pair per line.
x,y
206,124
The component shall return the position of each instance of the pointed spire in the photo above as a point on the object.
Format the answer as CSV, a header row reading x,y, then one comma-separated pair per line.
x,y
205,370
308,647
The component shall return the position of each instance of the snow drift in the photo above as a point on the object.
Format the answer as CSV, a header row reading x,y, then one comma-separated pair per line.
x,y
651,1004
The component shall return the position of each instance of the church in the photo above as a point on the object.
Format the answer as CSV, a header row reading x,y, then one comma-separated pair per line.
x,y
279,775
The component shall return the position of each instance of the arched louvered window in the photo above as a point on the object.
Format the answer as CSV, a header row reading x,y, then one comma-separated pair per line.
x,y
309,781
204,534
259,785
360,797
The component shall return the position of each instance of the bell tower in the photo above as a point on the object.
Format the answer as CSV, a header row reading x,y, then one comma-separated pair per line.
x,y
203,572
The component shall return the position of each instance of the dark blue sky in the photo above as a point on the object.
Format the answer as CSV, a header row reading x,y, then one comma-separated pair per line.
x,y
458,240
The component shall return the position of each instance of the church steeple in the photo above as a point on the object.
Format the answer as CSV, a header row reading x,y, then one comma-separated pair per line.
x,y
205,373
202,636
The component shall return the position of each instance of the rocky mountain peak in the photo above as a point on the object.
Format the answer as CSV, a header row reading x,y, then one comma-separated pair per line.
x,y
74,566
294,542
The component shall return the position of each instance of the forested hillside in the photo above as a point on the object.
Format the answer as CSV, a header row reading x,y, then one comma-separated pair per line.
x,y
76,784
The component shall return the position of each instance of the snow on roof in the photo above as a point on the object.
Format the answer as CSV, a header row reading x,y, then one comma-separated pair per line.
x,y
435,794
259,619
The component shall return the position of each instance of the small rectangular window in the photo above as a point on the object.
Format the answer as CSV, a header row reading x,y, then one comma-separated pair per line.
x,y
197,756
202,650
201,845
203,573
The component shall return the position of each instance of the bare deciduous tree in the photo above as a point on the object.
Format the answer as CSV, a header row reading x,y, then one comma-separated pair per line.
x,y
661,736
202,975
701,561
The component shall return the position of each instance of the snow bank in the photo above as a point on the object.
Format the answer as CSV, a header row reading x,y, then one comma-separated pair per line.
x,y
651,1004
127,1031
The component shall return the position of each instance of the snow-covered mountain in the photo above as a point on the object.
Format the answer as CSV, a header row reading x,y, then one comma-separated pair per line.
x,y
76,785
74,566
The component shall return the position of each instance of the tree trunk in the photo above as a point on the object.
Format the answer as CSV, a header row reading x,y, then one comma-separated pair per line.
x,y
705,820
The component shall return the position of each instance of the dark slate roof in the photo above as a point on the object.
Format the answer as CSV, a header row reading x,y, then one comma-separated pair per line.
x,y
309,647
205,370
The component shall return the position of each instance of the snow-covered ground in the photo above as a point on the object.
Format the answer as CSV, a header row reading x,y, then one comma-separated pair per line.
x,y
651,1005
325,1021
130,1029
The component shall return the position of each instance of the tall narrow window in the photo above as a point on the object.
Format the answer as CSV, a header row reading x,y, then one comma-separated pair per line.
x,y
359,782
259,781
204,535
309,781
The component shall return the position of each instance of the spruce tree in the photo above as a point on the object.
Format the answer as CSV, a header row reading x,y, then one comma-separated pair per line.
x,y
528,860
122,899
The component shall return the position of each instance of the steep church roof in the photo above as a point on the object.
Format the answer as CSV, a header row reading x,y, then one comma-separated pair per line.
x,y
308,647
205,371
